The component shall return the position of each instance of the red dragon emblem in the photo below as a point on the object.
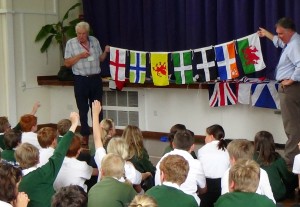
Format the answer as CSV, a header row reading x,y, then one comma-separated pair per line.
x,y
250,56
160,69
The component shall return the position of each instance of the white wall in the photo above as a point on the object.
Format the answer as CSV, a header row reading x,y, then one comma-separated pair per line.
x,y
21,62
20,59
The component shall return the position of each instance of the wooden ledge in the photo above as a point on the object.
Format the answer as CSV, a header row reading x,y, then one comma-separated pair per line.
x,y
53,81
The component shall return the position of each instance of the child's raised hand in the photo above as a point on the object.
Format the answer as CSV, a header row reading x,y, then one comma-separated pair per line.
x,y
74,117
96,107
35,107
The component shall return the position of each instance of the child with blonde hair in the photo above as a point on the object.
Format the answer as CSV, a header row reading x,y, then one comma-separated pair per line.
x,y
138,154
116,146
143,201
107,131
244,179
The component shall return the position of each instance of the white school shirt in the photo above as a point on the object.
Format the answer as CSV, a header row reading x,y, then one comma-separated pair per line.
x,y
296,165
31,138
45,154
195,176
264,187
4,204
214,161
73,172
134,176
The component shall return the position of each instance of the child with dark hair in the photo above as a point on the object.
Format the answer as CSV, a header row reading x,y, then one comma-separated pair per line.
x,y
282,181
215,161
12,138
175,128
10,177
183,144
70,196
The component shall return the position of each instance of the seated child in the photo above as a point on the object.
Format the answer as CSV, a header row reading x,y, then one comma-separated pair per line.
x,y
173,130
12,138
143,201
62,128
10,196
243,182
110,191
108,131
70,196
282,181
47,139
5,125
174,171
28,125
215,161
73,171
116,146
244,149
38,182
195,182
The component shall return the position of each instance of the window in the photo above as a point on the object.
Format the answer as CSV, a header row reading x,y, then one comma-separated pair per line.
x,y
121,106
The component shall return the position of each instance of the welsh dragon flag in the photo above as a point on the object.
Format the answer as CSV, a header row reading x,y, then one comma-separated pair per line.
x,y
159,68
183,69
250,53
137,72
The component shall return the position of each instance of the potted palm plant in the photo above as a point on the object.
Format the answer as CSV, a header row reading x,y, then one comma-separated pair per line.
x,y
60,33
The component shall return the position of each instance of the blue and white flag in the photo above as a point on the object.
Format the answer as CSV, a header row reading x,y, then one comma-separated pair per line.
x,y
265,95
226,61
137,71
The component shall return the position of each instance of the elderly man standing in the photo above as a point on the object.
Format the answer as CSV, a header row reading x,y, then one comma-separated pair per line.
x,y
83,53
288,74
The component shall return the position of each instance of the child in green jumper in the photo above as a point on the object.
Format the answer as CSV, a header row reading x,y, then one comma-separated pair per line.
x,y
38,182
12,138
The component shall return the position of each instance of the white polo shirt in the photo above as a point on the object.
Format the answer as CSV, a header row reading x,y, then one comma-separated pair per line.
x,y
195,176
264,187
214,161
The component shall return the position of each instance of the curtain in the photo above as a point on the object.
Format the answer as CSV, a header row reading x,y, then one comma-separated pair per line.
x,y
172,25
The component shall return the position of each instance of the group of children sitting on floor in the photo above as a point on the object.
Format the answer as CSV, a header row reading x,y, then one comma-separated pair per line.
x,y
42,169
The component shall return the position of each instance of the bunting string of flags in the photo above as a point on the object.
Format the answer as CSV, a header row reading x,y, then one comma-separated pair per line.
x,y
207,64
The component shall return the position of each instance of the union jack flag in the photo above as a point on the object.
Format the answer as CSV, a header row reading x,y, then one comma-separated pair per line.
x,y
222,94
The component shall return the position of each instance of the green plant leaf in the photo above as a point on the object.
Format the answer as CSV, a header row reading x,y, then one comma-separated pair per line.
x,y
46,43
70,31
67,13
44,32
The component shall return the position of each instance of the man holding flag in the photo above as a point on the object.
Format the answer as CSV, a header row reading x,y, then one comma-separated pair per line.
x,y
288,74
